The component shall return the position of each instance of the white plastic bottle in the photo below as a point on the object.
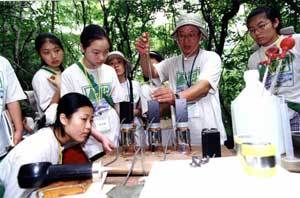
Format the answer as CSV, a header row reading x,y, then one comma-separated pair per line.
x,y
256,114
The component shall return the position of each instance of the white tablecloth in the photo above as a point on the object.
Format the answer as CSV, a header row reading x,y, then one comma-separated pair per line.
x,y
221,177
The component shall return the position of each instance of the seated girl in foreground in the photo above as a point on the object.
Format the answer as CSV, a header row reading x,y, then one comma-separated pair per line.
x,y
73,125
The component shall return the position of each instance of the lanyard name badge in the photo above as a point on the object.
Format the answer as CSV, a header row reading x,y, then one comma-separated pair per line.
x,y
189,80
101,122
93,84
193,111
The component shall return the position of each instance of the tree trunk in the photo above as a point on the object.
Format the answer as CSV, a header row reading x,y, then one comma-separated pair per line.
x,y
206,10
105,15
17,31
224,26
52,16
83,13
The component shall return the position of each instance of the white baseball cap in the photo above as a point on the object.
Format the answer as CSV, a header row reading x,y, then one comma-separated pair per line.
x,y
118,54
190,19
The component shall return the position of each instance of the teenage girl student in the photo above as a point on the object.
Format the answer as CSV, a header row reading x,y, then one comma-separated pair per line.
x,y
73,124
117,60
46,81
46,85
99,82
276,50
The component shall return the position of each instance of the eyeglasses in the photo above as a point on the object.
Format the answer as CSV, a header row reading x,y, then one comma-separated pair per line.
x,y
192,35
260,27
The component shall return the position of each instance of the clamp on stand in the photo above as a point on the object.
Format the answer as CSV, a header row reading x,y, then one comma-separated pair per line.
x,y
183,135
154,129
154,138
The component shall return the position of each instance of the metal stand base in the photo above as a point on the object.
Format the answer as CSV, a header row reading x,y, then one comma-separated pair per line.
x,y
154,139
183,139
292,165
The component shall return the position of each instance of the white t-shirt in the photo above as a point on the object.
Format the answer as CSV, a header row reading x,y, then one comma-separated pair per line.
x,y
43,89
10,88
106,119
39,147
206,111
136,91
288,83
140,134
146,91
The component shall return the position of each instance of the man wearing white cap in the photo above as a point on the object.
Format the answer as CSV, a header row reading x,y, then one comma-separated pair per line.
x,y
193,75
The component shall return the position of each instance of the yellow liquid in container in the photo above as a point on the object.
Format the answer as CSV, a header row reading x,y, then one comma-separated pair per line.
x,y
258,159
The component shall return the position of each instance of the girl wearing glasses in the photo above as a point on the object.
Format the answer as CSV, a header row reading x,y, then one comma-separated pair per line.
x,y
279,54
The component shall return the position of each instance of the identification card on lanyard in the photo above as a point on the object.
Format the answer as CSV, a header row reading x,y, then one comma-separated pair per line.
x,y
101,123
187,78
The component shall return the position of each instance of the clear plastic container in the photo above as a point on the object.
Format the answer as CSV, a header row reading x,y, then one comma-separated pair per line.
x,y
257,113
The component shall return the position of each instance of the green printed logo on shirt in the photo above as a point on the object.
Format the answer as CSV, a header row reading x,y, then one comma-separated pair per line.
x,y
181,83
96,93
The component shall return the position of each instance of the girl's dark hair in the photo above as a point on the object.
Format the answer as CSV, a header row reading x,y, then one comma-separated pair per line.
x,y
271,13
47,37
91,33
157,56
68,105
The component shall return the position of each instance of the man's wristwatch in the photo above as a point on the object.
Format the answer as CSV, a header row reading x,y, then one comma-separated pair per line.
x,y
177,96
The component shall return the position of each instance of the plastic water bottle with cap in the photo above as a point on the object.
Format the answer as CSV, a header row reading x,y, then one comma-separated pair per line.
x,y
256,115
